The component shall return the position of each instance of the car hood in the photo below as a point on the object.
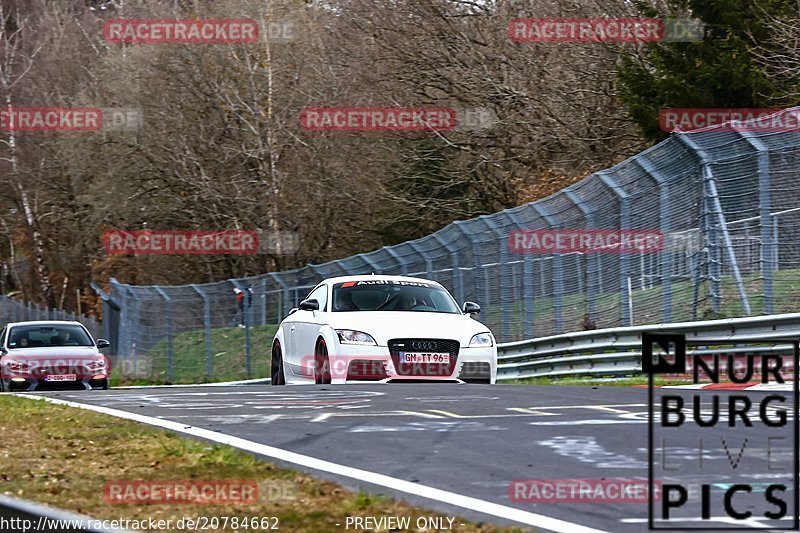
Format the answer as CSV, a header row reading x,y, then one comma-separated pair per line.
x,y
385,325
58,352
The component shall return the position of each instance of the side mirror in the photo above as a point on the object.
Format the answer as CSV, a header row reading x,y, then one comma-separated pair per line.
x,y
309,305
102,343
471,308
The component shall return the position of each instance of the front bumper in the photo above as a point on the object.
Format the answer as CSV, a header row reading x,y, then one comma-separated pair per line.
x,y
375,364
14,383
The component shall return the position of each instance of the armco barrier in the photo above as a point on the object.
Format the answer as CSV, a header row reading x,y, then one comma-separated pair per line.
x,y
617,351
18,516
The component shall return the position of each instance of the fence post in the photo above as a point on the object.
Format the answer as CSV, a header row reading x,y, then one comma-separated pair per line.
x,y
558,271
591,272
425,257
284,298
710,188
168,301
206,327
458,275
246,302
263,300
375,269
768,246
695,268
664,216
527,278
625,225
128,311
505,280
458,286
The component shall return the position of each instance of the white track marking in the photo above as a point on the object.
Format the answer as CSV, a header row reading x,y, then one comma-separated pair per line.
x,y
598,422
400,485
216,384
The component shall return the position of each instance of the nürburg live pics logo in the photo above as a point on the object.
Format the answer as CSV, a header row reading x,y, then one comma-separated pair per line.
x,y
724,450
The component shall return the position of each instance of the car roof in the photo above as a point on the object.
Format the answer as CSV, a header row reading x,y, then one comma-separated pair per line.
x,y
372,277
45,323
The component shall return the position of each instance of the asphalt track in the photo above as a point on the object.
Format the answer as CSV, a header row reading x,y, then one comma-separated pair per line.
x,y
474,440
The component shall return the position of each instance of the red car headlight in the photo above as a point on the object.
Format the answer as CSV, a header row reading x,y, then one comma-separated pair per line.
x,y
17,366
96,366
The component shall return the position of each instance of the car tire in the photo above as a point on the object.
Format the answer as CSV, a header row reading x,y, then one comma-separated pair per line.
x,y
106,384
322,366
276,365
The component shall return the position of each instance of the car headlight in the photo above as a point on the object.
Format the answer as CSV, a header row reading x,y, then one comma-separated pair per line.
x,y
100,364
481,340
348,336
17,366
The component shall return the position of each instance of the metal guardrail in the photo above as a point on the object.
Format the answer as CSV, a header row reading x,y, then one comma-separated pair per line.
x,y
18,516
617,351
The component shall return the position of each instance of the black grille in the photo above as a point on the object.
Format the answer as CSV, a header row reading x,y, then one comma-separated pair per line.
x,y
428,346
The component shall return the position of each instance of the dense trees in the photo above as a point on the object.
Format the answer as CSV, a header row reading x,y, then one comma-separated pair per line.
x,y
721,70
221,146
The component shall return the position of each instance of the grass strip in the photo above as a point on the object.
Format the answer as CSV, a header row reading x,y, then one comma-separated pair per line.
x,y
64,457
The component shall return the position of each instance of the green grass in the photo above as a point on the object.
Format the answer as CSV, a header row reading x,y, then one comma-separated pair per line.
x,y
628,381
78,452
228,358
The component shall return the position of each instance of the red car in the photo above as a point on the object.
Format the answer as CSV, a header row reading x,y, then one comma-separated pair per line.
x,y
51,354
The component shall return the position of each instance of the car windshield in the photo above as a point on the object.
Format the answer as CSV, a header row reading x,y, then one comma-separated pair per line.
x,y
48,336
391,295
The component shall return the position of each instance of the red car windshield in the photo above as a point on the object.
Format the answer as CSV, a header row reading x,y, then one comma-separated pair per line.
x,y
48,336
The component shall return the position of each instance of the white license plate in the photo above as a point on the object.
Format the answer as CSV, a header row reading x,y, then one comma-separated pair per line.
x,y
61,377
418,357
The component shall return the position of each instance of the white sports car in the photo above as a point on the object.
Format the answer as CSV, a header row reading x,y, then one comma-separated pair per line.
x,y
382,328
